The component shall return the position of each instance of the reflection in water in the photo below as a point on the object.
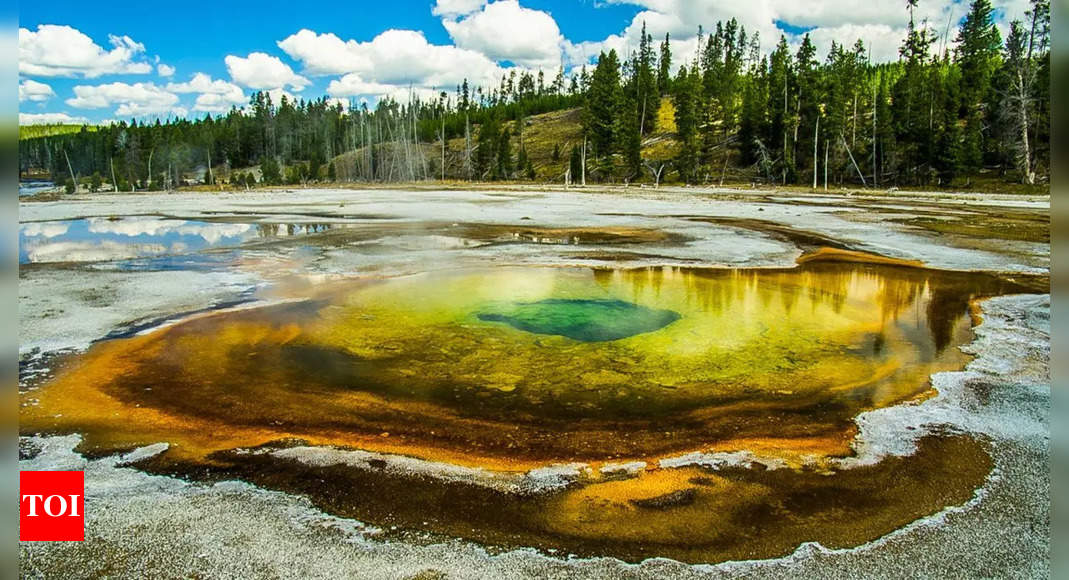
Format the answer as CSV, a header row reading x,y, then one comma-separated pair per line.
x,y
140,238
34,186
753,354
777,362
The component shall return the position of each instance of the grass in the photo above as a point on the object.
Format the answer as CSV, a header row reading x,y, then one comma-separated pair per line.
x,y
35,131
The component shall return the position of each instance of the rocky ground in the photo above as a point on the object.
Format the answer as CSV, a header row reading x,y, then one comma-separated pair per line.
x,y
147,525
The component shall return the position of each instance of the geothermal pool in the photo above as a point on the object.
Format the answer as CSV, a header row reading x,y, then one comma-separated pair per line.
x,y
698,414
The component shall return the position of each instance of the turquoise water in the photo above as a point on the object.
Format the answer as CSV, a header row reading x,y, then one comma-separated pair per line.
x,y
583,320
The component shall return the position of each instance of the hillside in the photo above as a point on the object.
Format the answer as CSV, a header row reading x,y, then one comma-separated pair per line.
x,y
548,139
35,131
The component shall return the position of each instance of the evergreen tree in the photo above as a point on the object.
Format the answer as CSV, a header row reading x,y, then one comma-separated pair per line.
x,y
923,119
504,155
575,163
911,102
687,98
754,126
522,160
648,96
664,67
977,54
603,103
947,142
807,109
486,152
1024,88
270,172
779,107
629,138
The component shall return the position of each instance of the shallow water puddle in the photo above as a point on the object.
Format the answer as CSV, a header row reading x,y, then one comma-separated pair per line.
x,y
137,239
514,369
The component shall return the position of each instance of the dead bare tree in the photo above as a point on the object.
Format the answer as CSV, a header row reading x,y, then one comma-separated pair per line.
x,y
655,172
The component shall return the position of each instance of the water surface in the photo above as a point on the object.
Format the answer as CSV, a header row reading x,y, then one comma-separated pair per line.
x,y
146,241
593,366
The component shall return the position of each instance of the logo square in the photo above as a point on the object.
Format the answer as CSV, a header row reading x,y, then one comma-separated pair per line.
x,y
51,506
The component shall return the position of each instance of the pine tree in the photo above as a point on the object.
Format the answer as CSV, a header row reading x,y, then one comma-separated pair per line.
x,y
603,103
487,149
522,161
504,155
687,98
947,153
270,172
910,100
753,124
629,138
779,103
977,54
1021,101
575,163
664,67
648,96
807,107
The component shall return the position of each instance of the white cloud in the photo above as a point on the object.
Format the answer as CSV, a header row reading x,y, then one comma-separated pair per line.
x,y
155,227
882,41
89,251
136,100
263,71
216,103
352,85
62,51
397,58
45,229
216,96
452,8
504,30
202,83
50,119
30,90
326,53
165,70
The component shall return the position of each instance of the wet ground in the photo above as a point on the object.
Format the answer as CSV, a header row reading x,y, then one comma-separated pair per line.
x,y
710,378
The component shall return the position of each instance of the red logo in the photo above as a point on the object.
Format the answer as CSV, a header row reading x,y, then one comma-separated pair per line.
x,y
51,506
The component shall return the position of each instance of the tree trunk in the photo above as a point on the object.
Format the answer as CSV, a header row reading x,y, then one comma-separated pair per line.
x,y
875,175
816,139
148,179
71,169
584,161
858,169
825,165
1027,175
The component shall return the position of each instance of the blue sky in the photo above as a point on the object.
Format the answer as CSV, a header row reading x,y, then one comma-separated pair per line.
x,y
312,50
198,36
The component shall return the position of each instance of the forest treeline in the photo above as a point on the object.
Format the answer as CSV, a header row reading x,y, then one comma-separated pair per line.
x,y
937,116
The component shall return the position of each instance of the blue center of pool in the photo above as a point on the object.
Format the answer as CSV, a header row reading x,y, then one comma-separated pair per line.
x,y
584,320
